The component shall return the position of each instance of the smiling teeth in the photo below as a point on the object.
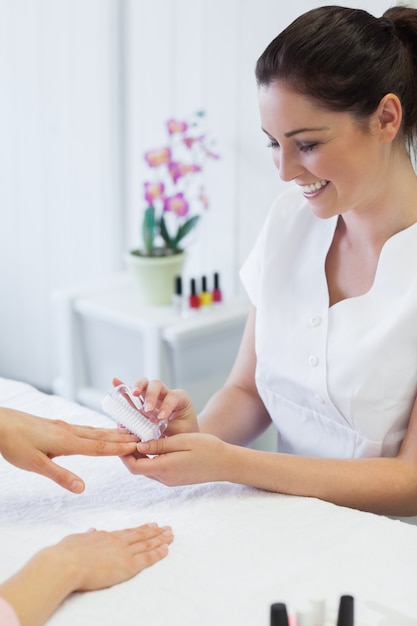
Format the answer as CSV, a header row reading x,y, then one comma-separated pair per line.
x,y
315,186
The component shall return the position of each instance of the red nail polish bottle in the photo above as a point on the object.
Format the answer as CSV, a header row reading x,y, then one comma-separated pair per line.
x,y
217,294
193,299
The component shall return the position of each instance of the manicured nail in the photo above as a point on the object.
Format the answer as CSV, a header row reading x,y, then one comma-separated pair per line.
x,y
143,446
77,486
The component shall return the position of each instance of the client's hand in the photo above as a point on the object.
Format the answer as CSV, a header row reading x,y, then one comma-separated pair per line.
x,y
82,562
174,404
30,442
99,559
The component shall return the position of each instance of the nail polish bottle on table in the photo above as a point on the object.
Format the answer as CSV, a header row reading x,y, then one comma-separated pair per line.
x,y
346,611
193,299
206,297
279,616
177,297
217,294
304,617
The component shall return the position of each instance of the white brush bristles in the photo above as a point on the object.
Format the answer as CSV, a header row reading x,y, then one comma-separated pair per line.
x,y
119,409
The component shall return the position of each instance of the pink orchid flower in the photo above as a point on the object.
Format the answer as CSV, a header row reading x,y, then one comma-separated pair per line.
x,y
177,169
174,192
175,126
190,141
177,204
158,157
203,199
154,191
188,168
211,154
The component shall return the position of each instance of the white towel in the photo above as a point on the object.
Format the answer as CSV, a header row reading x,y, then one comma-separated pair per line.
x,y
236,549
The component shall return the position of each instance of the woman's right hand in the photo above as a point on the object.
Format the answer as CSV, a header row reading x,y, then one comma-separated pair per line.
x,y
172,404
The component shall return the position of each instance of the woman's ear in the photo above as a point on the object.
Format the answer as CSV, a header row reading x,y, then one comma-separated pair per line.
x,y
389,116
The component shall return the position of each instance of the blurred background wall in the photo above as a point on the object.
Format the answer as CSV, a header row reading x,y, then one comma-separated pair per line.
x,y
86,88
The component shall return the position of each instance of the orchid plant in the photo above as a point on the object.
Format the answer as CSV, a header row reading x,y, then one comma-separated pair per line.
x,y
175,196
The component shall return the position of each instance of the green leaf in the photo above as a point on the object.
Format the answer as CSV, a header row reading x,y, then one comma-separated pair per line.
x,y
185,228
148,229
163,230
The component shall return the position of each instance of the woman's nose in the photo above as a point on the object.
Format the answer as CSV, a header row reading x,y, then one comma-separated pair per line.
x,y
287,166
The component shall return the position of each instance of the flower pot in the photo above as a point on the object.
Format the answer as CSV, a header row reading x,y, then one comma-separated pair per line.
x,y
155,276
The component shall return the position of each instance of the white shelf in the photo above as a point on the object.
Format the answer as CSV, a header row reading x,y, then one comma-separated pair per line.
x,y
103,331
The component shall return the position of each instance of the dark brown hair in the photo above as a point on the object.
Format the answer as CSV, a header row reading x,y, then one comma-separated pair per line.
x,y
348,60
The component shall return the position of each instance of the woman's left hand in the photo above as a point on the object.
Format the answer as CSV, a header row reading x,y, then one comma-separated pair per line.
x,y
172,404
183,459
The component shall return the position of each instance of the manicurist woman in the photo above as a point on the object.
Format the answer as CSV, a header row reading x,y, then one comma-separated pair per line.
x,y
329,353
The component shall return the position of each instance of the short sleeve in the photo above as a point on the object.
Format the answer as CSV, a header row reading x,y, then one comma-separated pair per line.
x,y
251,269
8,615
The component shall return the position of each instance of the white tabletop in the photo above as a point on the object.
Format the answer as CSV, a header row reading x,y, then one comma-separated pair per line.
x,y
236,549
115,299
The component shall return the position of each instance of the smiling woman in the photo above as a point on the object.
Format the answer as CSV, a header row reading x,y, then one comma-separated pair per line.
x,y
334,148
328,354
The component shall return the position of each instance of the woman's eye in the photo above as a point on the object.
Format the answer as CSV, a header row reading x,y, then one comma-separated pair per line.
x,y
272,144
307,147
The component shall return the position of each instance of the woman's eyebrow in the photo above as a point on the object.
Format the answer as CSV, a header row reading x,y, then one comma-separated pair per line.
x,y
290,133
304,130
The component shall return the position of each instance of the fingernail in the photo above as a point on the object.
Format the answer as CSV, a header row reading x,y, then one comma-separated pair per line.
x,y
77,486
143,446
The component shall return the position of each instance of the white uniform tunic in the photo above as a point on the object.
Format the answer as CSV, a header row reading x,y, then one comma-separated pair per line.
x,y
338,382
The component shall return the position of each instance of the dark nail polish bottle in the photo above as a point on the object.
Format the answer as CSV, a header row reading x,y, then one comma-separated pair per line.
x,y
346,610
279,616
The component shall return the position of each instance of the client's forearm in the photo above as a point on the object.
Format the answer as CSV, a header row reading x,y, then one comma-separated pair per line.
x,y
39,587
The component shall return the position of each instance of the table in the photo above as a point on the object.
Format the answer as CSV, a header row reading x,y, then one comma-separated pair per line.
x,y
236,549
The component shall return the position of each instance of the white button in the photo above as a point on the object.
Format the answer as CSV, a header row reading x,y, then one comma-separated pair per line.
x,y
315,321
313,360
319,399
